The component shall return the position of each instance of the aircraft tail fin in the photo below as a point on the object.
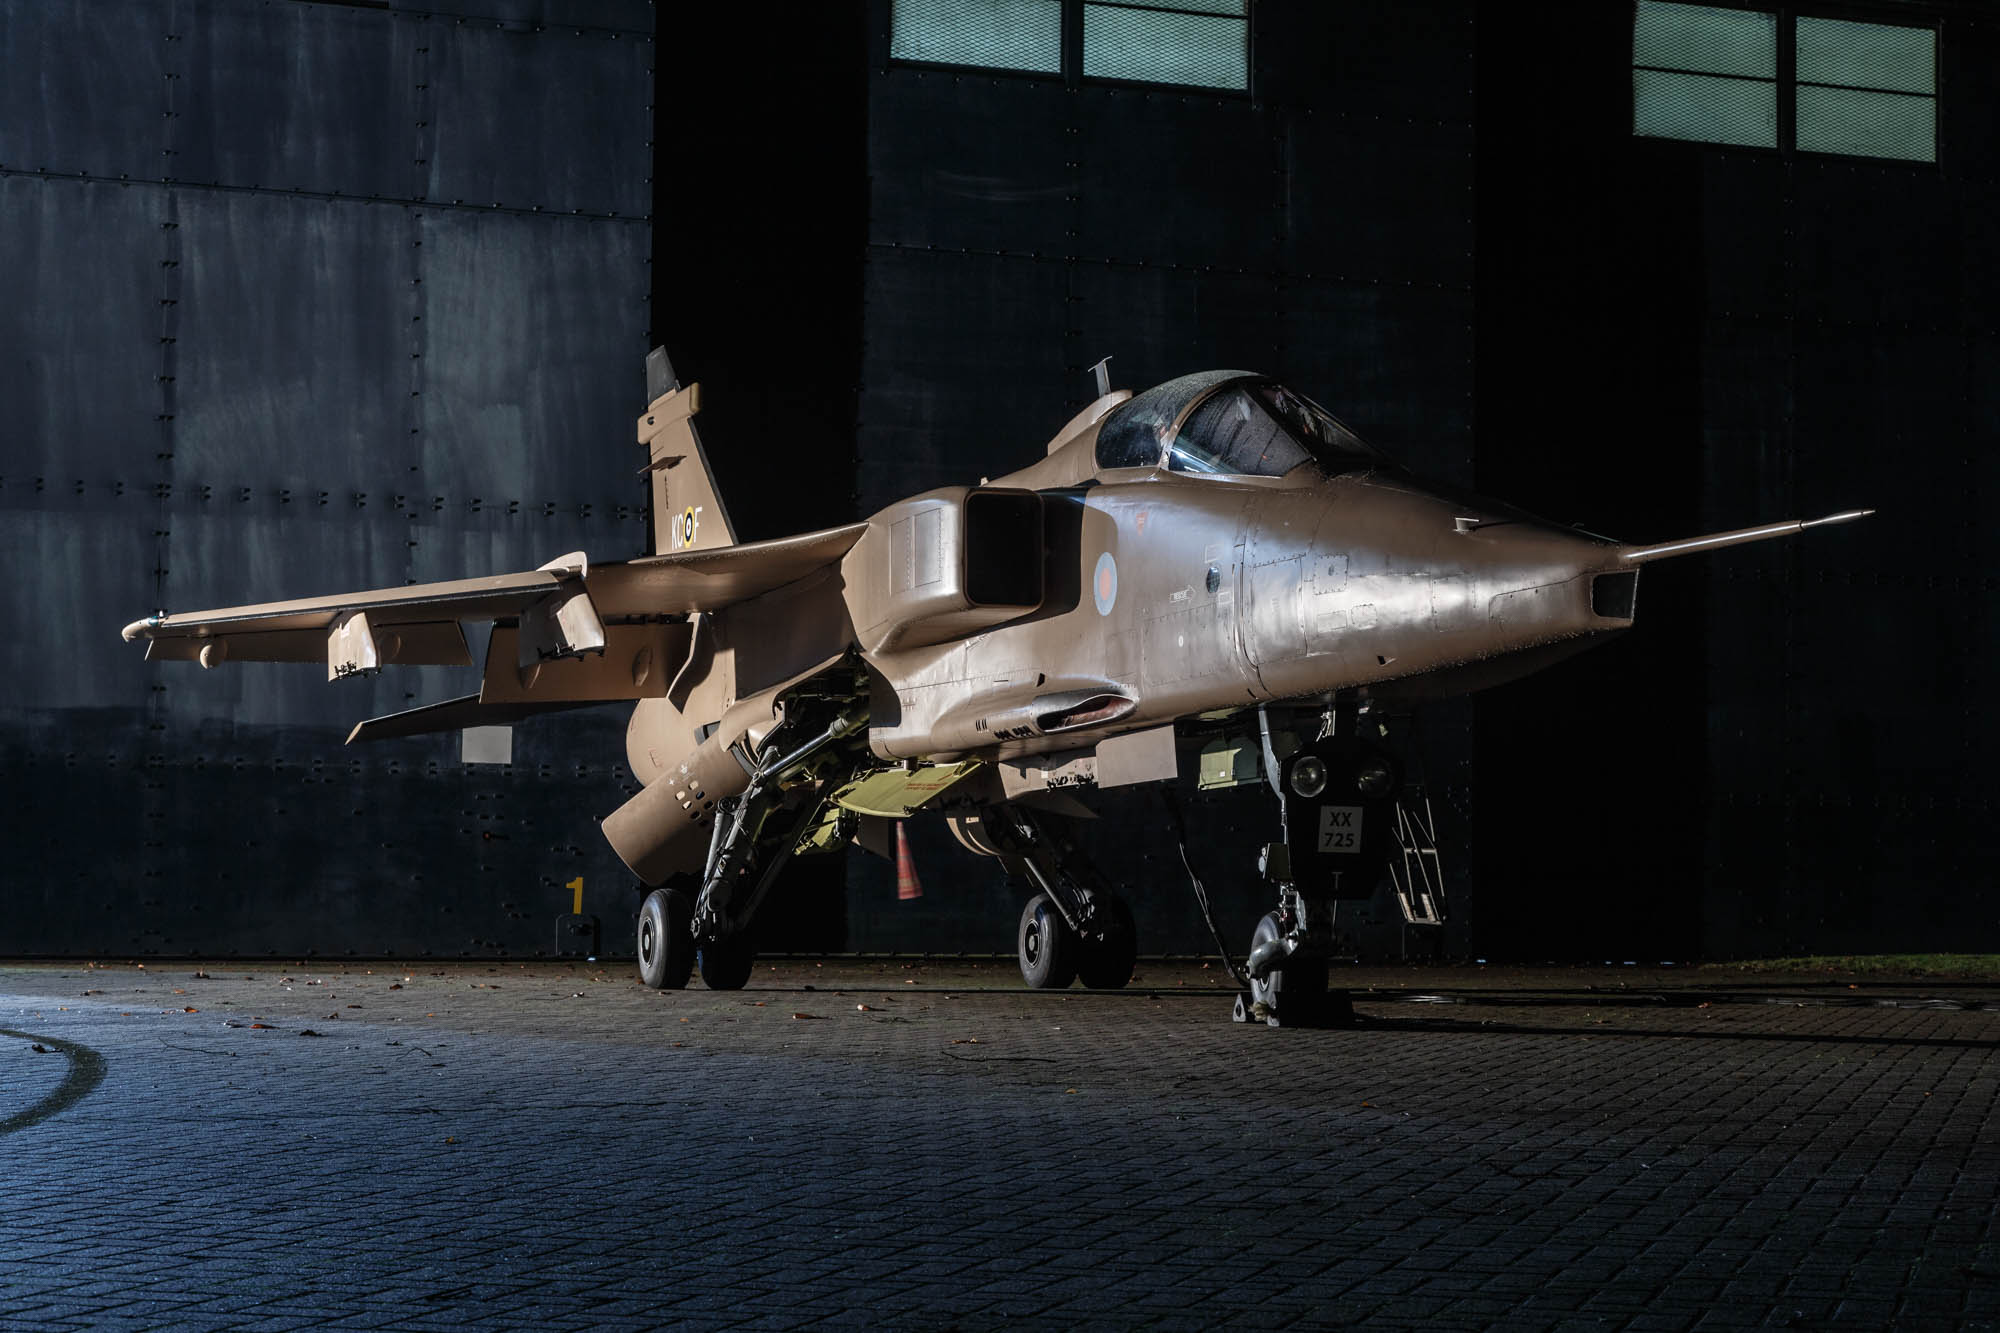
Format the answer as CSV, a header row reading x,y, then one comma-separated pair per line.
x,y
688,514
1639,555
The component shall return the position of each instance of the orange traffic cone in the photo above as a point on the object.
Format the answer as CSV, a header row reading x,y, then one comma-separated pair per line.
x,y
907,886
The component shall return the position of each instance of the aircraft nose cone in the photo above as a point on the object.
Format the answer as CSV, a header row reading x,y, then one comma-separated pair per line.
x,y
1510,581
1399,583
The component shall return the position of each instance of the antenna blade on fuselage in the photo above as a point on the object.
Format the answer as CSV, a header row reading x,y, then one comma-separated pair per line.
x,y
1715,541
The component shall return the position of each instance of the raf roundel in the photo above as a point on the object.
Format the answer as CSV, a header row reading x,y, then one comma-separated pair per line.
x,y
1104,584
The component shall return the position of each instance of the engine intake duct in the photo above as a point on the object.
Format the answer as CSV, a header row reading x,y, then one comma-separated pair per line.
x,y
944,564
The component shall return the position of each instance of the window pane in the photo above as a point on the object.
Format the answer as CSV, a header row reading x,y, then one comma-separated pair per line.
x,y
1706,110
1232,435
1846,120
1867,55
1158,46
998,34
1237,7
1705,40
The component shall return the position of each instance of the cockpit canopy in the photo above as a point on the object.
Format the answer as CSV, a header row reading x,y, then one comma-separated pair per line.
x,y
1230,423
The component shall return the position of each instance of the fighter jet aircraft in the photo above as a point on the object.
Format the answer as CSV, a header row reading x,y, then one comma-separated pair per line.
x,y
1178,564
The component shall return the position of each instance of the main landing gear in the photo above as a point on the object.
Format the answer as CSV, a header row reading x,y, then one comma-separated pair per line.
x,y
705,923
1338,795
1075,927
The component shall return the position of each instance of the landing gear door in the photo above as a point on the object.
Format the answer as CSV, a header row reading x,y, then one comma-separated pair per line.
x,y
1339,798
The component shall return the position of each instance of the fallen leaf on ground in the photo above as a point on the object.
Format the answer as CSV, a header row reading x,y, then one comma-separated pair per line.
x,y
805,1015
450,1139
965,1041
865,1008
307,1032
190,1010
395,985
264,1026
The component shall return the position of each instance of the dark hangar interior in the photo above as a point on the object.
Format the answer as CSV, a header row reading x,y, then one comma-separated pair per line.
x,y
311,294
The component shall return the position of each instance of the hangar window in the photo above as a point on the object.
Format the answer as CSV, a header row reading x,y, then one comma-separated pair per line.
x,y
995,34
1185,43
1710,75
1774,79
1194,43
1867,89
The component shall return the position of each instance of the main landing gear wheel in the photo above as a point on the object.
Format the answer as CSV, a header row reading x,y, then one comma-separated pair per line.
x,y
1107,964
666,945
1047,946
726,964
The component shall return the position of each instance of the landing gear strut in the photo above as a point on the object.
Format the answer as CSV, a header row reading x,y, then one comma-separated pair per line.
x,y
753,837
1076,926
1338,796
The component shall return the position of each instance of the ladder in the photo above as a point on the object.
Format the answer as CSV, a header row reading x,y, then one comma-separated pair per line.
x,y
1417,874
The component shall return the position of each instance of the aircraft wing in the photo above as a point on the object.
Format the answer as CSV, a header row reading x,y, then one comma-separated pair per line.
x,y
560,606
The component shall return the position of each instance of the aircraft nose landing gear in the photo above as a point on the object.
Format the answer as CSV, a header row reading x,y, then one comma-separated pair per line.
x,y
1339,798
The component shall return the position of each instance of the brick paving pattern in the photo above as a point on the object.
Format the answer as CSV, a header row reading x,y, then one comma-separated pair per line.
x,y
553,1146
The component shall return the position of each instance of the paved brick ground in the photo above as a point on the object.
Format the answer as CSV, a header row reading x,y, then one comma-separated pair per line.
x,y
896,1147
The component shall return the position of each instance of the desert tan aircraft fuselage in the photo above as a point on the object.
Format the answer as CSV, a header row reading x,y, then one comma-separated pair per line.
x,y
1181,566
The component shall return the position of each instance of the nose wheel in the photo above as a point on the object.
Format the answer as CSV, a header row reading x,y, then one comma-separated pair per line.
x,y
1293,993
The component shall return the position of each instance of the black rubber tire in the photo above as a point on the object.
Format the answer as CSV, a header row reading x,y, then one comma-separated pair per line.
x,y
665,945
1045,945
1296,991
1107,964
726,964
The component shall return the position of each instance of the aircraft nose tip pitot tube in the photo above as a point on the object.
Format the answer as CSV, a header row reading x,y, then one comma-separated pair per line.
x,y
664,830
